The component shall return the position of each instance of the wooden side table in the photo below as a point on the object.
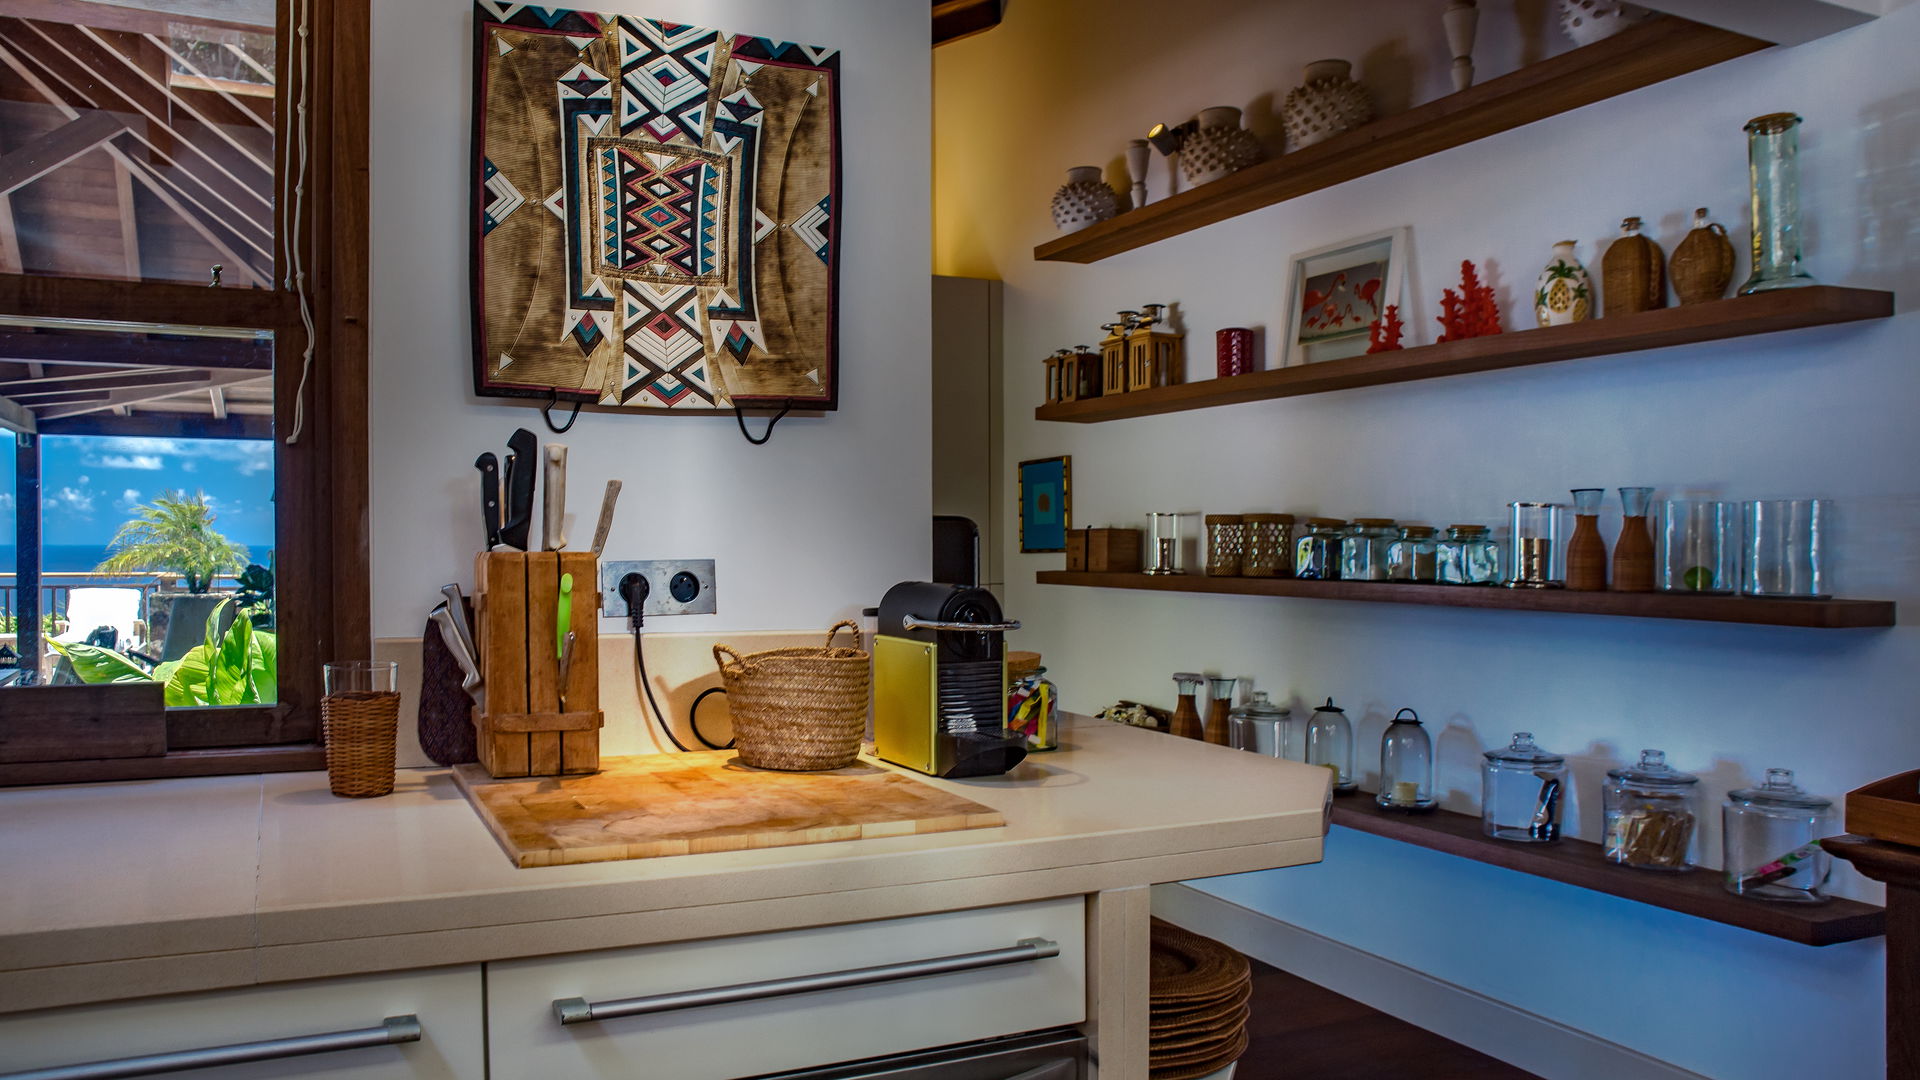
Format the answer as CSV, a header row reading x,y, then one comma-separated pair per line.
x,y
1899,867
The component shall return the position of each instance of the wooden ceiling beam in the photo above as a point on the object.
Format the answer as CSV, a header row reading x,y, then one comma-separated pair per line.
x,y
133,350
136,395
38,157
956,19
37,296
161,426
150,16
17,417
218,395
37,391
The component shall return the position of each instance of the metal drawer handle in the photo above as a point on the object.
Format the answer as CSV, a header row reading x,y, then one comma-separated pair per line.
x,y
914,622
580,1010
394,1029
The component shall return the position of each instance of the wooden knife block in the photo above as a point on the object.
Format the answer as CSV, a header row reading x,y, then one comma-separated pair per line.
x,y
533,725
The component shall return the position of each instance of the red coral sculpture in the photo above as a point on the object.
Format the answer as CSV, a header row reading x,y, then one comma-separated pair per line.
x,y
1384,334
1470,313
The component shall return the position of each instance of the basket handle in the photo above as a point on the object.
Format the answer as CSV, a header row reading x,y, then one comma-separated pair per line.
x,y
848,624
721,652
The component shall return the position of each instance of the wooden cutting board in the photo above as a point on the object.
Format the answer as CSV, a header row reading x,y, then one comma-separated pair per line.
x,y
650,805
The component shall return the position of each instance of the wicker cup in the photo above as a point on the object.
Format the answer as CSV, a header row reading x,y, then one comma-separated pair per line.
x,y
798,710
359,728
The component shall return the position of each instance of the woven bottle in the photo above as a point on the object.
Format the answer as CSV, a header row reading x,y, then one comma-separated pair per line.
x,y
1632,276
1702,264
1586,552
1633,552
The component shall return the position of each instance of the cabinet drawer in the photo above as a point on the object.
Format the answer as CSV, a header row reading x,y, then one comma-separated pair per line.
x,y
446,1001
795,1025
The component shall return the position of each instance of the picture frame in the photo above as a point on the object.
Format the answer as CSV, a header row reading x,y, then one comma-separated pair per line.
x,y
1046,504
1350,283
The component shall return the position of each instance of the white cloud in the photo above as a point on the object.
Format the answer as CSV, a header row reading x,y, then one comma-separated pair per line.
x,y
6,500
129,499
143,462
71,500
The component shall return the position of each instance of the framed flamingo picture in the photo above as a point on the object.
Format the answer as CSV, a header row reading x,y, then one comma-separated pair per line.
x,y
1336,292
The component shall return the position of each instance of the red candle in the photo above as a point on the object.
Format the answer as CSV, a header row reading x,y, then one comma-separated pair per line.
x,y
1233,351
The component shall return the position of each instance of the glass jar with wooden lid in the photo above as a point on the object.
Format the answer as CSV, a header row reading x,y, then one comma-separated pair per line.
x,y
1363,550
1316,555
1414,556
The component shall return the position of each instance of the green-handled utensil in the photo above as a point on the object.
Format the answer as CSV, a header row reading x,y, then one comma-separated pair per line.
x,y
565,609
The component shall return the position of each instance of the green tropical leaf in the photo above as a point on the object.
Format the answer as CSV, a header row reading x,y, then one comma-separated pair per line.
x,y
263,659
96,665
188,685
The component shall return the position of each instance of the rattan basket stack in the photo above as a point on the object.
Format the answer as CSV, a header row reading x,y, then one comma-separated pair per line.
x,y
1199,991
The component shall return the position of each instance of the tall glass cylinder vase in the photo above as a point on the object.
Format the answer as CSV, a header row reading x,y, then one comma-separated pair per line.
x,y
1783,548
1534,558
1773,170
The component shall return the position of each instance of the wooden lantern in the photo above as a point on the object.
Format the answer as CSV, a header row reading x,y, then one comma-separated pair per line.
x,y
1054,381
1113,360
1084,368
1153,359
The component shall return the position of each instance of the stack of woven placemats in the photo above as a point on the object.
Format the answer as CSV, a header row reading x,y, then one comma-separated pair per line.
x,y
1199,990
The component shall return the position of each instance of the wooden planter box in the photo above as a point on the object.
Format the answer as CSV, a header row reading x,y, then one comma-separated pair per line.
x,y
85,723
534,725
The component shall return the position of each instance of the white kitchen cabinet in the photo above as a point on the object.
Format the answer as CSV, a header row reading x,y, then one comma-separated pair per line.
x,y
447,1002
792,1030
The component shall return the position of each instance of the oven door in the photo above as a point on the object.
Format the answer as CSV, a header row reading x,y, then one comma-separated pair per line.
x,y
1056,1055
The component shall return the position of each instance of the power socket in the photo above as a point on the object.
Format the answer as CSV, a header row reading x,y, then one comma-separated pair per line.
x,y
674,586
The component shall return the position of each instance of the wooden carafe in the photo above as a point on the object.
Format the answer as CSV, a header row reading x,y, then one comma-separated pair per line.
x,y
1633,552
1586,552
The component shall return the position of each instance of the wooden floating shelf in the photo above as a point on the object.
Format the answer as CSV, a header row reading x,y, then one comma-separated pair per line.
x,y
1761,313
1579,863
1812,614
1651,52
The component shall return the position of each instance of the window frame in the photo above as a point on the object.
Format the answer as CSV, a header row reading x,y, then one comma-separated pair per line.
x,y
321,482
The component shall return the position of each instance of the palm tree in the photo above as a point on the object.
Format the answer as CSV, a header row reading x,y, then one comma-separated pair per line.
x,y
174,534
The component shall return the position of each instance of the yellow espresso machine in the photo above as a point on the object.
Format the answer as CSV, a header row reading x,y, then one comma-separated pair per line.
x,y
940,682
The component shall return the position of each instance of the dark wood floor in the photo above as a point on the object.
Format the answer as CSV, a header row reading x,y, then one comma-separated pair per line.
x,y
1300,1030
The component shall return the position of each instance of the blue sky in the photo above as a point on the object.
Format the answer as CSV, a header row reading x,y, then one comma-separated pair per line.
x,y
89,484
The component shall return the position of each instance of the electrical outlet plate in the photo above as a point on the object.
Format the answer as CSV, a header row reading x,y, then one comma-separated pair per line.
x,y
660,594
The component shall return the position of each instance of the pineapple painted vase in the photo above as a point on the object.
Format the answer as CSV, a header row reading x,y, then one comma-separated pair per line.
x,y
1564,292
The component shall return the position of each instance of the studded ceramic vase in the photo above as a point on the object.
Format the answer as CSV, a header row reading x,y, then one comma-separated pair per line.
x,y
1218,146
1326,104
1083,199
1588,21
1564,292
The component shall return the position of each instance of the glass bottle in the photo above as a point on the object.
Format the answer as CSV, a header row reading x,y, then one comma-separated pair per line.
x,y
1317,553
1413,556
1586,552
1522,791
1330,743
1186,714
1773,172
1468,556
1363,550
1633,552
1652,809
1533,556
1261,727
1406,765
1772,834
1219,708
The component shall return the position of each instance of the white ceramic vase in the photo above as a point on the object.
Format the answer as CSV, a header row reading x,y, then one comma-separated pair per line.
x,y
1137,171
1588,21
1084,199
1461,19
1218,146
1328,103
1564,291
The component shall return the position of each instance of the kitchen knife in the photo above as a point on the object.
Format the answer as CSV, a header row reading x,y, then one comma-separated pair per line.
x,y
605,526
450,634
564,612
553,519
489,467
521,465
457,604
566,665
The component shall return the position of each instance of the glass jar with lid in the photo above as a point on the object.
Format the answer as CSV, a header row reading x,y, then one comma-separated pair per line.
x,y
1330,743
1316,554
1652,810
1522,789
1467,555
1772,834
1363,550
1261,727
1414,555
1406,765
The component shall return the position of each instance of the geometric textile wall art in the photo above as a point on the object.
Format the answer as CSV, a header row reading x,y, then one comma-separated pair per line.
x,y
656,213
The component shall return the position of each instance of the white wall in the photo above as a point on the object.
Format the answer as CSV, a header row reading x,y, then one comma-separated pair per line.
x,y
807,529
1825,411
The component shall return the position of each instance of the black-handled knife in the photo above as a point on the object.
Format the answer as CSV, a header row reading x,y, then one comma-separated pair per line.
x,y
523,464
489,467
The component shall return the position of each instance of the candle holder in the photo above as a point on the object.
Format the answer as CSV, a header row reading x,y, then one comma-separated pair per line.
x,y
1533,546
1163,543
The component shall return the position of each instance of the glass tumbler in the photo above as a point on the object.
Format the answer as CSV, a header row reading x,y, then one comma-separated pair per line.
x,y
1782,548
359,723
1699,551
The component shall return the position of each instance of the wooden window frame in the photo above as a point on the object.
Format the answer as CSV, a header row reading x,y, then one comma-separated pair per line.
x,y
323,589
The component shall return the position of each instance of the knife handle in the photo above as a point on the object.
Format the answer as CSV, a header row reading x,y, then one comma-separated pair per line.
x,y
553,522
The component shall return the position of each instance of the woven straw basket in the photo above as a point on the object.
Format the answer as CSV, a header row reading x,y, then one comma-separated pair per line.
x,y
798,710
360,730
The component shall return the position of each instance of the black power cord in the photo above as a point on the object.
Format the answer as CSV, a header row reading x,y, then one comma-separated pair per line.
x,y
633,589
693,718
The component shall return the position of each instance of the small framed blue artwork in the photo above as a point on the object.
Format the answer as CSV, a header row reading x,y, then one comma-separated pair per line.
x,y
1046,504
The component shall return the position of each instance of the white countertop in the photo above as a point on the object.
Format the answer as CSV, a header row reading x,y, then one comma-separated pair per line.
x,y
130,889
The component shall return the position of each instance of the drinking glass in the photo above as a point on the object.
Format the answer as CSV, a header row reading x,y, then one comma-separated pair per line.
x,y
1783,547
1699,549
359,722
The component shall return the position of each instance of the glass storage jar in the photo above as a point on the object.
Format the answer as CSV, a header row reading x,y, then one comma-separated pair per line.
x,y
1772,834
1033,702
1406,765
1468,556
1269,546
1330,743
1226,544
1522,790
1413,556
1261,726
1652,809
1317,554
1363,550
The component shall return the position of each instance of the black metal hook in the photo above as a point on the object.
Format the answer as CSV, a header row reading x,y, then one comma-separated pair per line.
x,y
740,416
546,413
